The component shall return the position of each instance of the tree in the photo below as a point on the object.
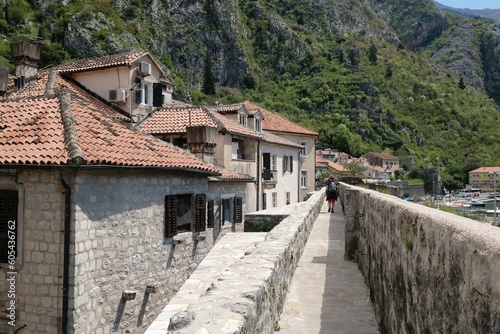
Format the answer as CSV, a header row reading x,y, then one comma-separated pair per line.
x,y
461,84
208,77
354,169
372,54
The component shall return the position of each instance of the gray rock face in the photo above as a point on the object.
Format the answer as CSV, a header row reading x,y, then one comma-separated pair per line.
x,y
81,34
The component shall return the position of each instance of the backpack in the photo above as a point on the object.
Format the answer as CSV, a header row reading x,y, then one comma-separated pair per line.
x,y
332,186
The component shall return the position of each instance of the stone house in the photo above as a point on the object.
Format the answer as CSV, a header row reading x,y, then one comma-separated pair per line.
x,y
485,178
132,81
215,139
387,161
294,133
324,166
108,222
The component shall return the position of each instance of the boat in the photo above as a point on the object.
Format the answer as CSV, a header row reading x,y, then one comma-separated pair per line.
x,y
461,205
476,202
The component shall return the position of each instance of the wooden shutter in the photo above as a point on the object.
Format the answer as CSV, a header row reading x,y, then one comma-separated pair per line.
x,y
157,94
201,212
8,212
170,216
238,210
266,160
210,214
291,164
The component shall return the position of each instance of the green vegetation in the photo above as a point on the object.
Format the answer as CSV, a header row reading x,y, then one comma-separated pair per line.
x,y
358,91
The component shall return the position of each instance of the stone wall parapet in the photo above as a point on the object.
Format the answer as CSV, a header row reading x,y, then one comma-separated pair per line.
x,y
427,270
241,286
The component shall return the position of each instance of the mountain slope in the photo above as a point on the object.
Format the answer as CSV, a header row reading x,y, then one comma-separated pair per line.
x,y
395,75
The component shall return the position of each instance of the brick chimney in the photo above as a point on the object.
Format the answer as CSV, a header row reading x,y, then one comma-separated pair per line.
x,y
26,56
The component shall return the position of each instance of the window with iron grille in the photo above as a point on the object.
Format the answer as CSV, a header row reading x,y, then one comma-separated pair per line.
x,y
185,213
9,200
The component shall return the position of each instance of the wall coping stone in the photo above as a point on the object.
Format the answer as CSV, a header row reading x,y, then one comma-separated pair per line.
x,y
241,285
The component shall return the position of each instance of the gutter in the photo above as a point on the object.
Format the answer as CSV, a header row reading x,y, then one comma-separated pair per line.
x,y
67,225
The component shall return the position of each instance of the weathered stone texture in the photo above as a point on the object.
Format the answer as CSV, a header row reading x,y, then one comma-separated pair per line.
x,y
120,245
244,293
428,271
39,261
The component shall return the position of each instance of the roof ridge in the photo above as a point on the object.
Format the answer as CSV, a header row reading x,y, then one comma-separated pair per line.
x,y
217,121
71,140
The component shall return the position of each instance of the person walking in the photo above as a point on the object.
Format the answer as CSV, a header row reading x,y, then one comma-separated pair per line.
x,y
331,192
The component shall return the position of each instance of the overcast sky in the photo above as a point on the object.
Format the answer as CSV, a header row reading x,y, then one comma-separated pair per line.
x,y
472,4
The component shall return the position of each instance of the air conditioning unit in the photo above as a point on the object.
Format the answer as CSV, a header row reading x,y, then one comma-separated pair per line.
x,y
118,95
145,68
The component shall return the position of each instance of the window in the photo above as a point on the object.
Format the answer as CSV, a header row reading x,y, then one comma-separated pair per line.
x,y
143,93
258,125
243,149
185,213
269,167
287,195
303,179
303,150
264,201
9,200
288,163
242,119
232,210
275,199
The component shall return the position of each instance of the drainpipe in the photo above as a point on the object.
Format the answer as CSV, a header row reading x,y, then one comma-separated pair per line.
x,y
259,177
67,220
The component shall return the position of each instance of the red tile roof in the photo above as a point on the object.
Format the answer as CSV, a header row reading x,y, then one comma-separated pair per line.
x,y
228,175
64,130
175,120
39,87
121,59
322,162
274,122
486,170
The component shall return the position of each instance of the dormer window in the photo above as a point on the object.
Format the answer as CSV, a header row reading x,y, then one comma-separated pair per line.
x,y
242,119
258,125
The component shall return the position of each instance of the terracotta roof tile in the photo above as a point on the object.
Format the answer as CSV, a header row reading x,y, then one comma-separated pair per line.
x,y
486,170
38,88
175,120
32,132
270,138
228,175
274,122
122,59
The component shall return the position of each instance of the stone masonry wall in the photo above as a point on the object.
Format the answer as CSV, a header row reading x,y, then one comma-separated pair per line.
x,y
120,248
38,283
428,271
243,292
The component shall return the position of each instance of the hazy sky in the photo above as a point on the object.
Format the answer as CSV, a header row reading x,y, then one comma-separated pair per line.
x,y
472,4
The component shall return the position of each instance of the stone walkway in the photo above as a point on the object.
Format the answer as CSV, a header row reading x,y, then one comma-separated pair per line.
x,y
328,294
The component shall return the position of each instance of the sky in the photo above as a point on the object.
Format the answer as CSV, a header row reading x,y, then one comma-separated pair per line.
x,y
471,4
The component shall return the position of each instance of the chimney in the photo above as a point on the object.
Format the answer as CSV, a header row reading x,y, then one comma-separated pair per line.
x,y
26,56
202,141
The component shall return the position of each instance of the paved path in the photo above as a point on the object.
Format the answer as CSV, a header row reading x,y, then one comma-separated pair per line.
x,y
328,294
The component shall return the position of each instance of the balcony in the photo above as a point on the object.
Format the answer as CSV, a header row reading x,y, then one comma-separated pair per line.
x,y
269,177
